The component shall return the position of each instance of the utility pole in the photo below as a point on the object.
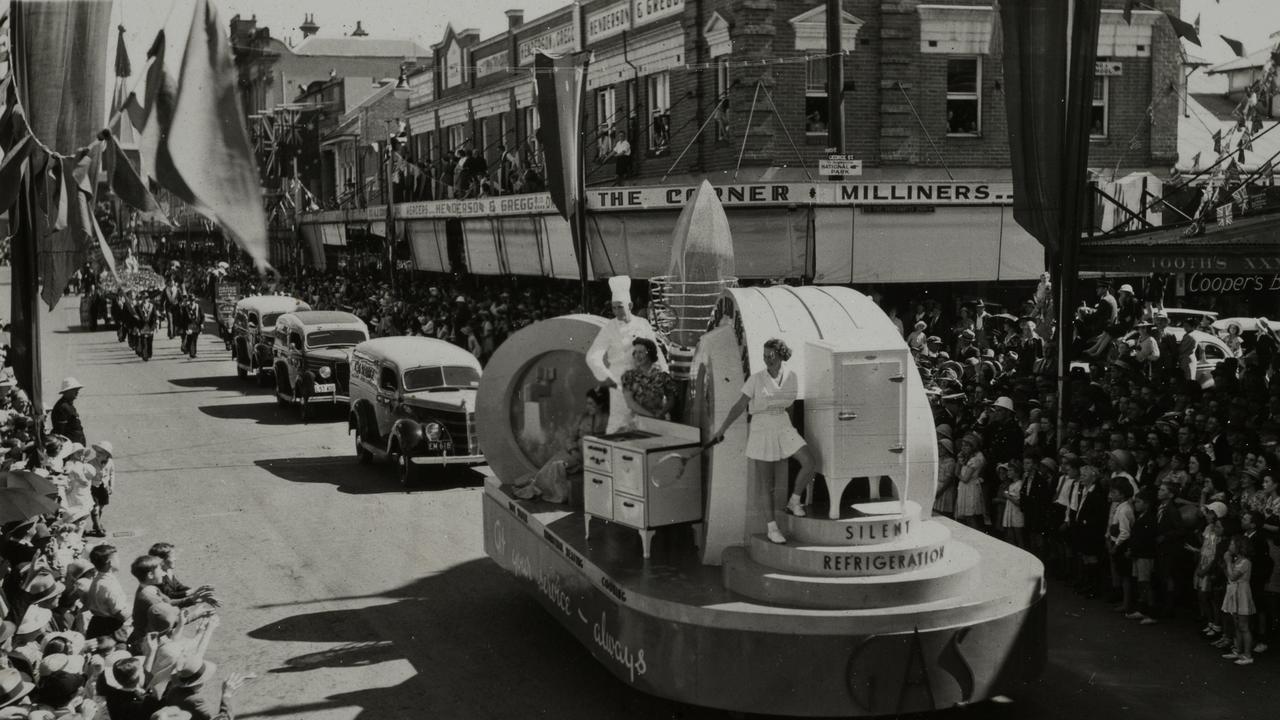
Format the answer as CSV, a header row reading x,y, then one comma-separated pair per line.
x,y
391,221
835,77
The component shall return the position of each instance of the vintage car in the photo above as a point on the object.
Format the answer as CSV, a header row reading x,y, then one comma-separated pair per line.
x,y
1210,350
413,400
313,356
253,332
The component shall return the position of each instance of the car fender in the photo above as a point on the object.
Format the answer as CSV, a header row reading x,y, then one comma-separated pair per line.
x,y
360,409
407,434
306,380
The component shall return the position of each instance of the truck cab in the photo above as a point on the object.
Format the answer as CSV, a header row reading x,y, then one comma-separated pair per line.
x,y
253,333
413,401
311,354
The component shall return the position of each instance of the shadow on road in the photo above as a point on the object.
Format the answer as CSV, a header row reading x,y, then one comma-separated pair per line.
x,y
350,477
272,413
471,621
224,383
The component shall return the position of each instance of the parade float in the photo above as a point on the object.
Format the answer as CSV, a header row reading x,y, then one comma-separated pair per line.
x,y
659,564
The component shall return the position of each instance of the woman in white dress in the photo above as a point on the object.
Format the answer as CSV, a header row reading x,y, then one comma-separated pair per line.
x,y
970,504
771,439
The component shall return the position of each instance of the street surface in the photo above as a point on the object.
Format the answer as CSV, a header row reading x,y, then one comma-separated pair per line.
x,y
352,599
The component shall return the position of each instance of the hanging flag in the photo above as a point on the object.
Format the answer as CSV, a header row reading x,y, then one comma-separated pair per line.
x,y
208,142
1049,138
1196,25
1183,29
1217,142
1225,215
157,117
1195,162
1127,13
561,87
1241,196
123,180
1236,46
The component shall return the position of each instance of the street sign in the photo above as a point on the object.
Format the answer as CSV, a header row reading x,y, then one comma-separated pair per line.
x,y
1108,68
845,165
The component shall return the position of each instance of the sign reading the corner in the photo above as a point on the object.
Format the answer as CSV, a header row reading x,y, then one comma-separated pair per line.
x,y
644,12
608,22
556,40
836,194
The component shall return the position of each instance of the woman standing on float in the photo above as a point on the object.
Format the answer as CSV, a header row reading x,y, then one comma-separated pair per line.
x,y
771,439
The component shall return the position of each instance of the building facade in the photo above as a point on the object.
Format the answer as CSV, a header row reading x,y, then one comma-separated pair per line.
x,y
736,92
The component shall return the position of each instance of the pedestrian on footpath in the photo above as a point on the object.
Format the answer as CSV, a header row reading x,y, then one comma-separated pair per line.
x,y
66,419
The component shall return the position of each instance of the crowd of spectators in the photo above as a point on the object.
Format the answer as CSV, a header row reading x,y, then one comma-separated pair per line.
x,y
72,643
1159,492
459,174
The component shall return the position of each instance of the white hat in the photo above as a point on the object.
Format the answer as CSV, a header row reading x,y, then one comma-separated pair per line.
x,y
69,384
620,288
1003,402
106,447
1126,288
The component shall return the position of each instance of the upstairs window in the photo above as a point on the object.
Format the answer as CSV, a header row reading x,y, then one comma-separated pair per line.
x,y
816,107
1098,117
964,96
659,112
606,112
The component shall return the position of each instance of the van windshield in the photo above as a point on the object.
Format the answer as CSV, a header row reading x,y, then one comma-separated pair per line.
x,y
447,377
269,320
335,338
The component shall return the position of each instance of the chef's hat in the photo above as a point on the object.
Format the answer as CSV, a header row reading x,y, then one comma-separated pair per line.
x,y
620,288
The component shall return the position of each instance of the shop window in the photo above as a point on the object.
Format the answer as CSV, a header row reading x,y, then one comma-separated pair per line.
x,y
816,107
964,96
659,87
722,96
606,110
1098,118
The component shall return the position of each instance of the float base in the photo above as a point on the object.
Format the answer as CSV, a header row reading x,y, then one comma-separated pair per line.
x,y
669,627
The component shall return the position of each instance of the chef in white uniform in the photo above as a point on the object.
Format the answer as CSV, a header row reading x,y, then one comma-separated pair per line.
x,y
610,354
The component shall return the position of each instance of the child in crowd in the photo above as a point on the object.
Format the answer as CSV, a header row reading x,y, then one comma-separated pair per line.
x,y
1238,601
1142,553
1012,519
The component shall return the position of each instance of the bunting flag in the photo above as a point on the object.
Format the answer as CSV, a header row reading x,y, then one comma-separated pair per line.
x,y
1236,46
1217,142
1195,162
1049,138
1184,29
208,142
156,118
561,86
1225,215
124,180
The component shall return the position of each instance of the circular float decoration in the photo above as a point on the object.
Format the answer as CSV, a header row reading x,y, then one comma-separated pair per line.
x,y
533,391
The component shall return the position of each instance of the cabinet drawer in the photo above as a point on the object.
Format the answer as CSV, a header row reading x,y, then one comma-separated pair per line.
x,y
597,457
628,471
628,511
597,494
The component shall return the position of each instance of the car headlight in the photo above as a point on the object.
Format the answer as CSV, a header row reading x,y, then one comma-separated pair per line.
x,y
431,430
325,372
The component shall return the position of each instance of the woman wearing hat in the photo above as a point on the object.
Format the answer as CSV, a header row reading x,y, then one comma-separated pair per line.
x,y
66,419
767,395
945,500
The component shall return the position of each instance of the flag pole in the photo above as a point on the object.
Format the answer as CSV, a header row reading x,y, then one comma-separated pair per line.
x,y
580,202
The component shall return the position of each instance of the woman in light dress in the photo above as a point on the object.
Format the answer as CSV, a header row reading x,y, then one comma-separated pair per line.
x,y
970,503
767,395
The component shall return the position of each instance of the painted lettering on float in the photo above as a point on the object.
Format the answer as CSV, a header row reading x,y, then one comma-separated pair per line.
x,y
615,648
856,563
877,531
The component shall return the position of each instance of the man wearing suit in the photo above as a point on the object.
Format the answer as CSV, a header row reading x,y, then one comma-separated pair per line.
x,y
1088,524
1171,534
191,316
1251,522
148,319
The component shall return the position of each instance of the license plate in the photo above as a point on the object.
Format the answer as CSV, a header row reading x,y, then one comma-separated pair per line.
x,y
325,387
439,445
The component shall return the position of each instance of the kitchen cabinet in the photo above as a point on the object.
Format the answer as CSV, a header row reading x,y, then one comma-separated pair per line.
x,y
640,478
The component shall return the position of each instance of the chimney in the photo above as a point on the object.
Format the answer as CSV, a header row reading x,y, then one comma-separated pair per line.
x,y
359,31
309,26
515,18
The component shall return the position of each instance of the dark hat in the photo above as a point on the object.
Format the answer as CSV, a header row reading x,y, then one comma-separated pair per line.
x,y
968,334
933,339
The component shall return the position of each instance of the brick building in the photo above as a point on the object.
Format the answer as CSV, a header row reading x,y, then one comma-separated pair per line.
x,y
735,91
